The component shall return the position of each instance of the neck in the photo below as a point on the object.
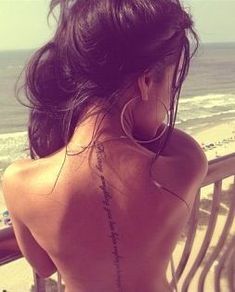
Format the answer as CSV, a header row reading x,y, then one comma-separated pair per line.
x,y
95,126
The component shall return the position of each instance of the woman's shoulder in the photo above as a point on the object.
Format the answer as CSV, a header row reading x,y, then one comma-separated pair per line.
x,y
14,170
16,176
21,177
12,185
182,144
189,154
180,168
19,169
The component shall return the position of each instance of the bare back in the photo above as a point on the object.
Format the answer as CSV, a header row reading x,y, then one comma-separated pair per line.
x,y
105,226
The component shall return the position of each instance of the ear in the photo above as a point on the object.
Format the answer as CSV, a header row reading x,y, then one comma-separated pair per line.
x,y
144,83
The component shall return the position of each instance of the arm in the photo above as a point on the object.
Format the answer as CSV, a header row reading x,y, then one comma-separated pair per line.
x,y
31,250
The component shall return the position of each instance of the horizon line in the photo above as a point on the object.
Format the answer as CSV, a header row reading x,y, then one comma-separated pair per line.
x,y
37,48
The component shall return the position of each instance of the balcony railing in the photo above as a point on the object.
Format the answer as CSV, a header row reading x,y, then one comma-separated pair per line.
x,y
215,262
210,260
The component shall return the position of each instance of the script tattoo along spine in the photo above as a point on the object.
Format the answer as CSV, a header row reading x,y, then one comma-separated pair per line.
x,y
106,206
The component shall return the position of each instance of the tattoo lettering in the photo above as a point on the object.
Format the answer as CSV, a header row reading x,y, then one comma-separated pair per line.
x,y
106,206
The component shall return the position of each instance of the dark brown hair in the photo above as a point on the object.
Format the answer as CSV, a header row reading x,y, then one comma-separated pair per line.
x,y
99,49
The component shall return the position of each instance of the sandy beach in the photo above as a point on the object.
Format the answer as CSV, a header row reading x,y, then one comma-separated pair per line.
x,y
216,141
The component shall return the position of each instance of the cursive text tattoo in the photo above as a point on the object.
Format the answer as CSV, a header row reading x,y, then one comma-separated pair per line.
x,y
106,206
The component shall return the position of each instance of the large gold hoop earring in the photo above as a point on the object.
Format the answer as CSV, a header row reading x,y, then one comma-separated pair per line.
x,y
143,141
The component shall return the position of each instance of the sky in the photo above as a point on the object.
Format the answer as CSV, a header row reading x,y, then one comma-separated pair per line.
x,y
23,23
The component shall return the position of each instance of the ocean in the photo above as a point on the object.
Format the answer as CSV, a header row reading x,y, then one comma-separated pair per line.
x,y
207,97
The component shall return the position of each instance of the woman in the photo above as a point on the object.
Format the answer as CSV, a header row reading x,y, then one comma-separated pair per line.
x,y
110,183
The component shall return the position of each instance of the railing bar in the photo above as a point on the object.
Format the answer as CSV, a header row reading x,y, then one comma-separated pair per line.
x,y
6,233
219,245
59,283
208,236
221,159
231,272
220,266
220,168
232,279
8,259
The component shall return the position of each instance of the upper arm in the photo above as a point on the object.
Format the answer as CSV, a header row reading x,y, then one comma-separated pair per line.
x,y
31,250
